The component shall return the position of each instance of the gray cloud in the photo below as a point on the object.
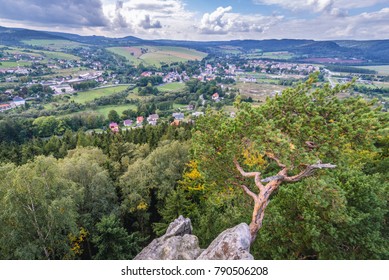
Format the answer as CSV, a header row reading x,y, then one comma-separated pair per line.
x,y
69,13
119,21
146,23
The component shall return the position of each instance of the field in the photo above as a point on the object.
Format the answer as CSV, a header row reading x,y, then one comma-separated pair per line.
x,y
179,106
269,55
171,87
104,110
229,50
381,69
13,64
127,53
258,91
59,55
23,51
87,96
53,44
157,55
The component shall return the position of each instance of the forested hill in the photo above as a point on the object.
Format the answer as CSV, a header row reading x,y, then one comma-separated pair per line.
x,y
376,51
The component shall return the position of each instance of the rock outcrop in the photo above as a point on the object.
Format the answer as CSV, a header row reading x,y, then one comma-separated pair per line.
x,y
231,244
178,243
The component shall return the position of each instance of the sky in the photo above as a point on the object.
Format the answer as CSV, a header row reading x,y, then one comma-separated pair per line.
x,y
204,20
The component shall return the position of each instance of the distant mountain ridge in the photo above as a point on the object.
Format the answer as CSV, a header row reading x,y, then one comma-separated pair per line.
x,y
374,51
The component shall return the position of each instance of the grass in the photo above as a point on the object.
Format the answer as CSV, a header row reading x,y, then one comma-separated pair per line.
x,y
171,87
177,105
126,52
40,53
134,94
53,44
13,64
60,55
269,55
381,69
23,51
157,55
87,96
104,110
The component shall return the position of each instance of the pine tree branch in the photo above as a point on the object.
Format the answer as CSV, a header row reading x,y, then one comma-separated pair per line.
x,y
256,175
273,157
308,171
250,193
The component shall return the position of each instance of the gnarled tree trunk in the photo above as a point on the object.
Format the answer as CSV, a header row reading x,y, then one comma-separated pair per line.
x,y
262,198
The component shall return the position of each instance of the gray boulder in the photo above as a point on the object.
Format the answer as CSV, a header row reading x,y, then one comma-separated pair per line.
x,y
177,244
231,244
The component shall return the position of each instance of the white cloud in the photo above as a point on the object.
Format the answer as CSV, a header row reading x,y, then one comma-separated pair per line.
x,y
222,21
147,17
316,6
216,22
374,25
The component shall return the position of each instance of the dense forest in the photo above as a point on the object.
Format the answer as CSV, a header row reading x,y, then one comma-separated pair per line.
x,y
78,195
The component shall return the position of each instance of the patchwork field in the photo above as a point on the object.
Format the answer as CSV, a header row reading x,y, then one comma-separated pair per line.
x,y
156,56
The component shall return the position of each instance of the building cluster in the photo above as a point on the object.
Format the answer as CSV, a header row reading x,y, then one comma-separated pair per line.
x,y
16,102
268,66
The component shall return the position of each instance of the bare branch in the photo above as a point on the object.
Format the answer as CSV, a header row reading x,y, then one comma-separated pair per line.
x,y
308,171
276,177
273,157
256,175
250,193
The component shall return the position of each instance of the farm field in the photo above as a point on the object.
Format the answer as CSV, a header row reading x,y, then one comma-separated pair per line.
x,y
22,51
157,55
381,69
269,55
53,44
171,87
87,96
258,91
59,55
127,53
12,64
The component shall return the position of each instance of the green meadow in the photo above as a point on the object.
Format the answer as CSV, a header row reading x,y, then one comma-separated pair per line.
x,y
87,96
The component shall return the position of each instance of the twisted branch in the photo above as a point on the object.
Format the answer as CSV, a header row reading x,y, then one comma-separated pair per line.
x,y
256,176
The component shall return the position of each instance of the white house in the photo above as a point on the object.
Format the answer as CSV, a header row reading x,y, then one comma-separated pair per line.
x,y
18,101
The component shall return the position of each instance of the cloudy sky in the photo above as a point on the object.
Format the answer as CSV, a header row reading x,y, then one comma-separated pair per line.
x,y
204,19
